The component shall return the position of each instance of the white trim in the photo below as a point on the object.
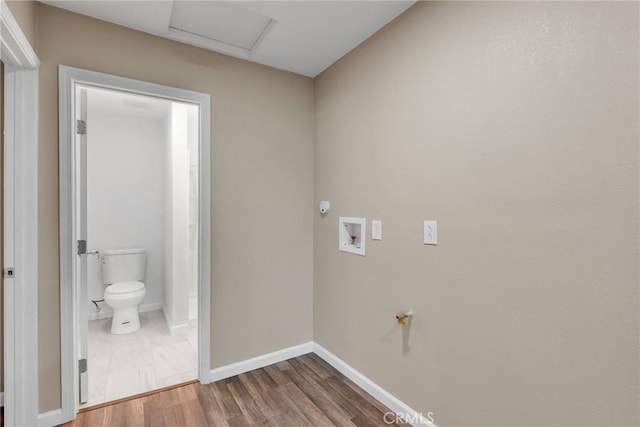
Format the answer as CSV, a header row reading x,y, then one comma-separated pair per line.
x,y
258,362
380,394
15,49
51,418
178,329
68,79
174,329
20,193
377,392
21,246
108,313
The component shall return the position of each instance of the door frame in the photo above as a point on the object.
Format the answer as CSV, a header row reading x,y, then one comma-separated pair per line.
x,y
20,195
68,79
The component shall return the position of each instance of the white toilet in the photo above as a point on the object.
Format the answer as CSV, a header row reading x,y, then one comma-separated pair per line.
x,y
123,270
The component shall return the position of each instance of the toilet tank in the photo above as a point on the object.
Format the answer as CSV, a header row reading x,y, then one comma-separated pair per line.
x,y
123,265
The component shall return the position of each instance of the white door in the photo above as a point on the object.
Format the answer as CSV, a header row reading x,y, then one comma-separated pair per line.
x,y
80,145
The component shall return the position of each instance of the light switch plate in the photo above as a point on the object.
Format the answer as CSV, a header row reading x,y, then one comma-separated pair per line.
x,y
431,232
376,229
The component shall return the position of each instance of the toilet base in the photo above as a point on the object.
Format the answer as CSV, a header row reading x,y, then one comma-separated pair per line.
x,y
125,320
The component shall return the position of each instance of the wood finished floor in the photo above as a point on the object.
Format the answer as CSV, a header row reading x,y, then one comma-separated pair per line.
x,y
304,391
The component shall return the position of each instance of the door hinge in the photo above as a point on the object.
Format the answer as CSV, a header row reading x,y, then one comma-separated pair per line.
x,y
82,366
81,127
8,273
82,247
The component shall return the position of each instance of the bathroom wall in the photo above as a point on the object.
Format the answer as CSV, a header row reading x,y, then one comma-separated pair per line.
x,y
183,131
261,183
125,209
515,125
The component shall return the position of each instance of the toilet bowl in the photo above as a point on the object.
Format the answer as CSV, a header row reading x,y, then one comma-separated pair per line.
x,y
123,298
123,271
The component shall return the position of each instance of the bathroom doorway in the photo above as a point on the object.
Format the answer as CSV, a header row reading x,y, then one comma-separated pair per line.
x,y
141,225
140,232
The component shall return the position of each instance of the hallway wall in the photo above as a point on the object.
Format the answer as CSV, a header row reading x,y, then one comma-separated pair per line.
x,y
515,126
261,183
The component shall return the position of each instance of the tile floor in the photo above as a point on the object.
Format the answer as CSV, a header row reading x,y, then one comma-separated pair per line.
x,y
150,358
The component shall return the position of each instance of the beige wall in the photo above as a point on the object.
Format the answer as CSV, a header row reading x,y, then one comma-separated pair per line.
x,y
24,11
515,125
262,183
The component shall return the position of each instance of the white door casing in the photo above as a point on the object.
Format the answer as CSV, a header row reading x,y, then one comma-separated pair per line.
x,y
80,153
20,195
71,264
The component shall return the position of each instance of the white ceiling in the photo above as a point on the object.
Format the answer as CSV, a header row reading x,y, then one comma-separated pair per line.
x,y
303,36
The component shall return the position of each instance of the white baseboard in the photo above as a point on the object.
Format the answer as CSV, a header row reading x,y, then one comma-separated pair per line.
x,y
107,313
178,329
51,418
174,329
408,414
390,401
259,362
403,410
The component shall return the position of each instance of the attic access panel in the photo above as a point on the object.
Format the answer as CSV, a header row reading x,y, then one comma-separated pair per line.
x,y
222,22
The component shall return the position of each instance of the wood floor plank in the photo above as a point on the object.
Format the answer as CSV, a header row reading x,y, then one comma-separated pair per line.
x,y
305,371
264,380
323,370
132,413
152,414
317,395
306,406
288,407
340,400
229,403
251,384
245,402
276,375
334,372
303,391
92,418
173,415
283,365
113,415
364,407
379,405
213,408
194,414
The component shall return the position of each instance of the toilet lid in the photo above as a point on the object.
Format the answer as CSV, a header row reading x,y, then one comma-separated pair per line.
x,y
124,287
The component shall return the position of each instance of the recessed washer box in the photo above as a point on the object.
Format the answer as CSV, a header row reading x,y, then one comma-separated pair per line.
x,y
352,234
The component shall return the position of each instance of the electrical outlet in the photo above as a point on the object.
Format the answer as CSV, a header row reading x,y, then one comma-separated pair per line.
x,y
376,229
431,232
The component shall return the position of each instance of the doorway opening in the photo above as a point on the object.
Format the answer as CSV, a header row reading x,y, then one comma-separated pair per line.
x,y
135,239
141,212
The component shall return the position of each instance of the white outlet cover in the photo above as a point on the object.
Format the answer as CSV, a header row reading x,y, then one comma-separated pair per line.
x,y
376,229
431,232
